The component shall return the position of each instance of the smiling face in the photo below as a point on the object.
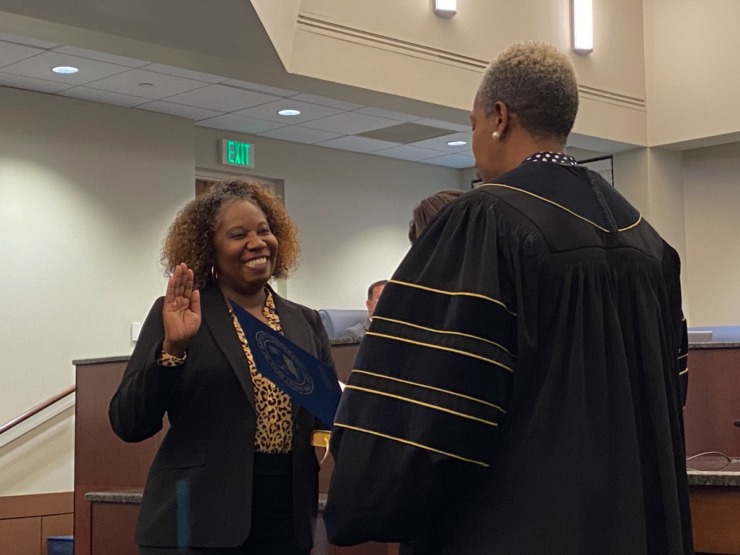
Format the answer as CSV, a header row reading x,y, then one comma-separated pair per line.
x,y
246,249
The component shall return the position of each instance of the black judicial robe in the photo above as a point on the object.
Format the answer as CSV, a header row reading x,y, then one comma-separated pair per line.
x,y
520,389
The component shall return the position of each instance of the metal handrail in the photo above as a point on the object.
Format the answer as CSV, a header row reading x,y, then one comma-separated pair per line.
x,y
37,409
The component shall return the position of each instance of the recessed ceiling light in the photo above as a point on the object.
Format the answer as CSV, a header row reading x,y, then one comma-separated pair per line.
x,y
457,143
289,112
65,70
146,85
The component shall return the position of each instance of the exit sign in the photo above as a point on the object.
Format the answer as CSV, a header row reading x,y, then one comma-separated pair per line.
x,y
235,153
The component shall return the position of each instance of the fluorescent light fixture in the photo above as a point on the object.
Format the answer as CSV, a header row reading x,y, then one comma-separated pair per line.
x,y
289,112
582,26
65,70
457,143
445,8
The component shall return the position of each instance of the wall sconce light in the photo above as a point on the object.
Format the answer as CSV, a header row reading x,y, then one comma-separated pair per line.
x,y
445,8
582,26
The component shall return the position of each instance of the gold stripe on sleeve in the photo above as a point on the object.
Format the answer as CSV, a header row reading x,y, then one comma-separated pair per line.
x,y
439,347
453,293
446,391
446,332
407,442
427,405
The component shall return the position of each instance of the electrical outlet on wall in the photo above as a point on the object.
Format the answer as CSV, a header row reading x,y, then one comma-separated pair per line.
x,y
135,331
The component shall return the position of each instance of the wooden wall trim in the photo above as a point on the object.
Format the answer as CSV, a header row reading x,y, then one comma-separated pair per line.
x,y
41,504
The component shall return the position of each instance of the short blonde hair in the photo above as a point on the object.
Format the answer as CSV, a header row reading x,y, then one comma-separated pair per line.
x,y
190,236
535,81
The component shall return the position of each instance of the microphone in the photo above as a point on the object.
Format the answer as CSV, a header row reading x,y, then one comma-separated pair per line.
x,y
736,423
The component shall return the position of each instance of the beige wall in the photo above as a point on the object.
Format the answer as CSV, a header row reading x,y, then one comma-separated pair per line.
x,y
692,69
712,201
402,49
352,211
86,193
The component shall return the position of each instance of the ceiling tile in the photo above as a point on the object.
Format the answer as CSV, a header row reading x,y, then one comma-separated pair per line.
x,y
458,161
440,143
146,84
28,41
12,53
184,73
387,114
269,111
222,98
240,124
298,134
40,68
405,152
358,144
31,84
350,123
444,124
106,97
259,88
100,56
330,102
181,110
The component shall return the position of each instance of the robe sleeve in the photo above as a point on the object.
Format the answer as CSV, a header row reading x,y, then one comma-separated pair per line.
x,y
430,385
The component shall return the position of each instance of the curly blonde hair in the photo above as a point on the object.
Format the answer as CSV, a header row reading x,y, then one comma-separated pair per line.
x,y
190,236
535,81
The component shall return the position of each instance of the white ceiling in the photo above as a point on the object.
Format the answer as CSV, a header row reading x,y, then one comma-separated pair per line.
x,y
221,103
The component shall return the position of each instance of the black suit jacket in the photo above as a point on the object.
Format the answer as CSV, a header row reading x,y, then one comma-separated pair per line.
x,y
206,458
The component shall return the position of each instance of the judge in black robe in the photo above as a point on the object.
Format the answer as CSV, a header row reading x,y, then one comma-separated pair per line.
x,y
520,389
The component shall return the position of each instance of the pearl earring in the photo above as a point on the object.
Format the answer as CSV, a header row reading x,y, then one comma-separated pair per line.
x,y
495,136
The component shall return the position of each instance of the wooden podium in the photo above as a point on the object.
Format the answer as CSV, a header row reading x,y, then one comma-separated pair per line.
x,y
104,463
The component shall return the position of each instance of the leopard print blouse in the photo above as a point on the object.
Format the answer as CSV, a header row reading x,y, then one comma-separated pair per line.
x,y
274,408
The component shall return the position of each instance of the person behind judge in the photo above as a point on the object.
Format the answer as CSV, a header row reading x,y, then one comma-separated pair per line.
x,y
427,209
373,295
421,216
235,472
522,385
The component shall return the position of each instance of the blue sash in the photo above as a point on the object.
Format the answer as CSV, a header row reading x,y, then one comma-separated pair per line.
x,y
304,378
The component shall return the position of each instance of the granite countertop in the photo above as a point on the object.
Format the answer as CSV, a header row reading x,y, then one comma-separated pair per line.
x,y
133,497
715,345
345,341
714,470
710,470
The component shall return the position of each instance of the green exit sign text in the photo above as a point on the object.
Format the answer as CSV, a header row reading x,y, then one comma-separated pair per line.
x,y
235,153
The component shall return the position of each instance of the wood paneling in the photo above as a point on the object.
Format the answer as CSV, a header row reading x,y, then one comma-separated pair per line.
x,y
20,536
56,525
713,402
113,529
18,506
344,358
715,511
27,520
103,462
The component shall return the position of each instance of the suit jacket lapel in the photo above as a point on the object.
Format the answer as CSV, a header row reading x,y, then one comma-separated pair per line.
x,y
216,316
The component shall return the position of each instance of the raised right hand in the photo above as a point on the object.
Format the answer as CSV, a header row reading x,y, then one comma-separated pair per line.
x,y
181,311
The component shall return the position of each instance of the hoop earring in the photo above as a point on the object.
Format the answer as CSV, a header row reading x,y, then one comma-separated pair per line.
x,y
495,135
214,274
